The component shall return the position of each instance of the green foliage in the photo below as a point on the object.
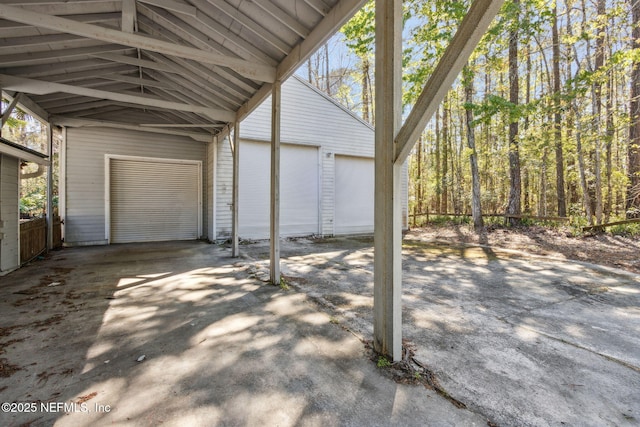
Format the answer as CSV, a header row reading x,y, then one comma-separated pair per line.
x,y
359,32
283,284
383,362
626,230
449,220
442,180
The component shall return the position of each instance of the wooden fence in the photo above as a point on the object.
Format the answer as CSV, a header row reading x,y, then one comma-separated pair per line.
x,y
33,237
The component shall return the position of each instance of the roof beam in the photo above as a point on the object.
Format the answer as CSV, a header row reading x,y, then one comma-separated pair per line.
x,y
128,20
138,81
198,93
40,87
36,58
135,61
184,125
283,17
251,25
173,6
471,29
75,122
319,6
89,74
156,30
251,70
45,70
87,17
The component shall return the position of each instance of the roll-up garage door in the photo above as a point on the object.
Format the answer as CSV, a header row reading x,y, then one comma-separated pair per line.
x,y
299,190
354,195
153,200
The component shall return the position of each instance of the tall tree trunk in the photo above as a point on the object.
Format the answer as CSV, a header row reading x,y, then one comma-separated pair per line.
x,y
597,111
438,207
445,160
608,150
633,150
365,89
476,208
581,168
457,161
513,208
542,201
419,195
557,118
326,69
525,166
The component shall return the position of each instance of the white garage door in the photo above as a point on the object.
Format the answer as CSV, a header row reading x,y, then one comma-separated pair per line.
x,y
299,190
153,200
354,195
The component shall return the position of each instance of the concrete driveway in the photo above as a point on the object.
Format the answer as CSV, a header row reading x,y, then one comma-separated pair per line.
x,y
518,340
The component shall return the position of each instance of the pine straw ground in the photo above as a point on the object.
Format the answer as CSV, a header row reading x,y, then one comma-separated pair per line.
x,y
603,249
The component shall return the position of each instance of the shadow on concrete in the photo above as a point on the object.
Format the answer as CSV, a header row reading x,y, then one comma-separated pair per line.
x,y
523,340
180,334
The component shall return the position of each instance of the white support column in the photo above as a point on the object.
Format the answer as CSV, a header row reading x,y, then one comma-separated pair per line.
x,y
387,304
62,180
275,183
50,188
235,250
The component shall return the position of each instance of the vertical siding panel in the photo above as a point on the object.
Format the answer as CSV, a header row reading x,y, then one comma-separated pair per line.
x,y
9,198
86,149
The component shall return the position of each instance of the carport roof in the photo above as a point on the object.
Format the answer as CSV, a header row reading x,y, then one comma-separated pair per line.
x,y
174,66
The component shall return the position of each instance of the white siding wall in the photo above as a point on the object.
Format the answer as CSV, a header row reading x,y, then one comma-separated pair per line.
x,y
9,245
308,117
224,185
85,186
209,189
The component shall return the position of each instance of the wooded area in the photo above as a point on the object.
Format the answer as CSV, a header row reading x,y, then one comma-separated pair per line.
x,y
542,122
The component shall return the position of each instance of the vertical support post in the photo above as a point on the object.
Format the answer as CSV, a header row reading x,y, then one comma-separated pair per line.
x,y
387,304
50,188
235,250
62,180
275,184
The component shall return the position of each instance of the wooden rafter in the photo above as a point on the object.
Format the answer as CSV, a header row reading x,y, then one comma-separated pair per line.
x,y
40,87
252,70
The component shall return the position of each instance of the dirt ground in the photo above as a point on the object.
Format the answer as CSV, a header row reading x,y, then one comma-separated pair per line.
x,y
603,249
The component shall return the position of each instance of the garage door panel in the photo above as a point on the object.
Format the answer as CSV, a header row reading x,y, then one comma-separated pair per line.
x,y
153,201
354,195
299,194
